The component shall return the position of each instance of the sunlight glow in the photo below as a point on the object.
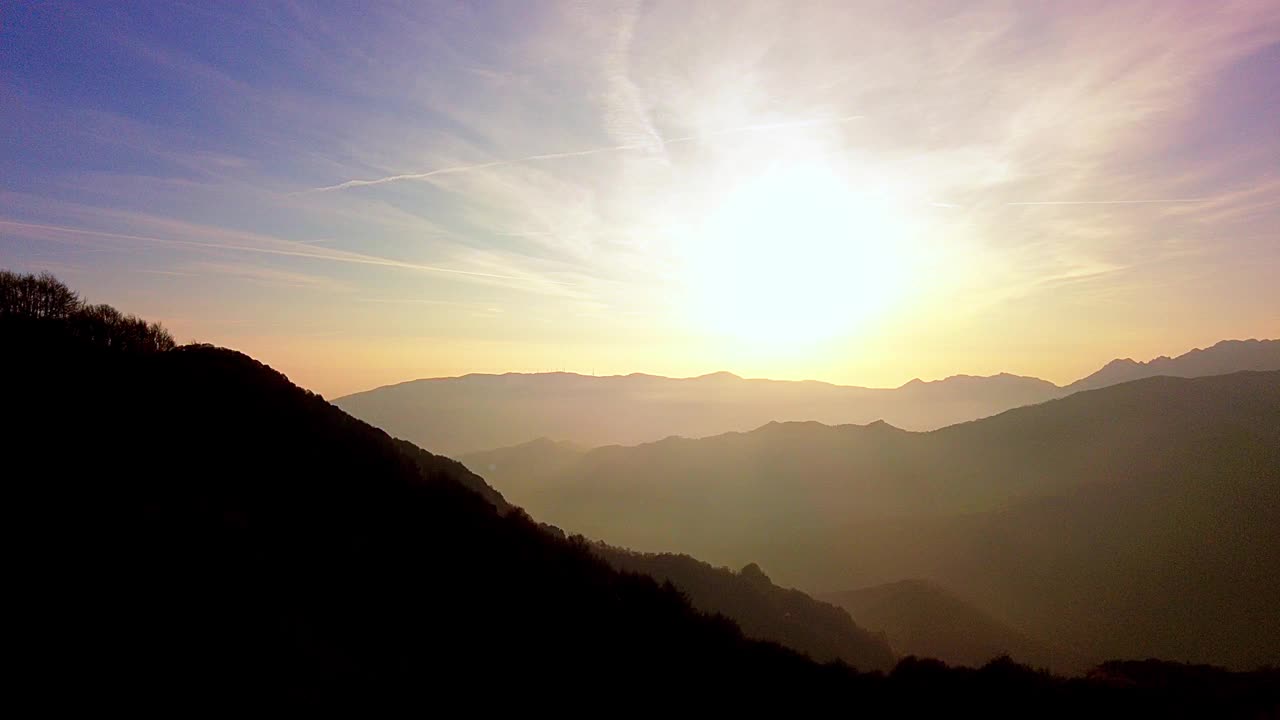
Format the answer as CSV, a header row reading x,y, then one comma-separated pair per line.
x,y
794,256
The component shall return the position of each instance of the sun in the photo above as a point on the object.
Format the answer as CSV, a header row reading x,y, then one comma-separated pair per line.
x,y
794,256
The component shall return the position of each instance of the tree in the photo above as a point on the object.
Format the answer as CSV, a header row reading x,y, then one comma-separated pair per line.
x,y
40,296
45,300
106,326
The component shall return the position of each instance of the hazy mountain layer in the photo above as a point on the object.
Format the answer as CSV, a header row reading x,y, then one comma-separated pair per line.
x,y
921,618
763,610
1137,520
1227,356
480,412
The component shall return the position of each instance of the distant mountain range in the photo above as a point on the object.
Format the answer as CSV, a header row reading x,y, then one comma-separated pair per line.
x,y
1097,521
481,412
1227,356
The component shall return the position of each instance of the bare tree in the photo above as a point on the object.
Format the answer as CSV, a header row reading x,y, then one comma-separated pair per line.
x,y
40,296
44,299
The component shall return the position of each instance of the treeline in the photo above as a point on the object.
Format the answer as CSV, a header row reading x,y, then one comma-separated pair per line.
x,y
42,302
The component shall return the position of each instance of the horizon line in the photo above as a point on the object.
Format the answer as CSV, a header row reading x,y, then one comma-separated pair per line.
x,y
724,373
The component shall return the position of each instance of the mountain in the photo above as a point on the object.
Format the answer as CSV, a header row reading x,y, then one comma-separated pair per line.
x,y
1225,357
763,610
219,535
922,618
480,412
527,467
475,413
1098,521
193,533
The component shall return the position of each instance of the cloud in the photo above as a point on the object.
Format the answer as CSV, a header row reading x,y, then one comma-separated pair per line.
x,y
571,150
263,275
1112,202
280,248
757,127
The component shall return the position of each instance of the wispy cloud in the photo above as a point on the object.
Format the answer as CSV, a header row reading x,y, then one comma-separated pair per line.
x,y
1112,202
564,155
265,276
757,127
420,301
285,251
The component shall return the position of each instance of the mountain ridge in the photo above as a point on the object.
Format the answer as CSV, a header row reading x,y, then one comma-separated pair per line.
x,y
726,374
487,411
1110,486
1221,357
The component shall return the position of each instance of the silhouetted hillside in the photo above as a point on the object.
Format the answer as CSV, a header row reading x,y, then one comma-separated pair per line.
x,y
1225,357
921,618
763,610
1138,520
199,534
219,533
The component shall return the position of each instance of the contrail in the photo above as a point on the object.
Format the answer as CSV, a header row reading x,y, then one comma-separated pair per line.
x,y
1112,202
578,153
335,256
408,176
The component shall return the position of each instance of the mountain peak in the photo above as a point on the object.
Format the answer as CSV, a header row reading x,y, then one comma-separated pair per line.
x,y
1225,356
719,375
753,573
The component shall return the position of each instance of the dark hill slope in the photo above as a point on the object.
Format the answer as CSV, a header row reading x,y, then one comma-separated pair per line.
x,y
763,610
216,533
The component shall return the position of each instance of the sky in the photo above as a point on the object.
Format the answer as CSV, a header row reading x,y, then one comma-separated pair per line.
x,y
859,192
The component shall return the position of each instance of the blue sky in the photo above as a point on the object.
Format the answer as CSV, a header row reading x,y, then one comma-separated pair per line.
x,y
868,192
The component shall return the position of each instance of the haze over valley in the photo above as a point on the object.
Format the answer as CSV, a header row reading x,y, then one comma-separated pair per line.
x,y
1096,520
484,412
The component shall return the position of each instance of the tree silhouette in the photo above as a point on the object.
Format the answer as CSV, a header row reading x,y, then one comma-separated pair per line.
x,y
106,326
47,302
40,296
